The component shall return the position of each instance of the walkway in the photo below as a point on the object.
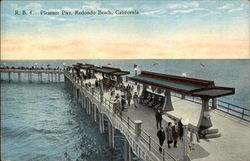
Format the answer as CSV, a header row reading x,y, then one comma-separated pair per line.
x,y
231,146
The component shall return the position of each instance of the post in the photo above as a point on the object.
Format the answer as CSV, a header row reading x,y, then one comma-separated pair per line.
x,y
115,104
127,150
94,112
205,120
214,103
101,123
182,96
9,76
168,106
111,135
19,76
138,124
185,154
85,102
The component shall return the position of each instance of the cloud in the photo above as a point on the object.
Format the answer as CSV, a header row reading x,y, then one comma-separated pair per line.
x,y
187,11
56,18
151,12
184,5
235,9
210,13
91,5
226,6
33,6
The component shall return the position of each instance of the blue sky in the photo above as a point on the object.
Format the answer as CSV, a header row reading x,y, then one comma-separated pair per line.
x,y
175,19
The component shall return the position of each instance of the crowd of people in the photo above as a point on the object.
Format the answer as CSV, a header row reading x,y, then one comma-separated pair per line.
x,y
172,132
30,68
125,95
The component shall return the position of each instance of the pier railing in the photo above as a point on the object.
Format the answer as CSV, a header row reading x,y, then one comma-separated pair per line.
x,y
234,110
145,137
151,144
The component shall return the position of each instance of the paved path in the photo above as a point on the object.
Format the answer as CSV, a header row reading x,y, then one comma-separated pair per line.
x,y
233,145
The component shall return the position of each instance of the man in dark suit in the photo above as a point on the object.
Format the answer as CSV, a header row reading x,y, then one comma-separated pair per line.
x,y
161,137
158,117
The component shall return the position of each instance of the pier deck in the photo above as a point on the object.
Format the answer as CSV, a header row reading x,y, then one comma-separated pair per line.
x,y
231,146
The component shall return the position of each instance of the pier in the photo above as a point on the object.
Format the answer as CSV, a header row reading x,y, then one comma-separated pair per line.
x,y
230,136
53,75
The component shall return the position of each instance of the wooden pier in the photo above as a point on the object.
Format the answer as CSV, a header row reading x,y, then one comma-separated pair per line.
x,y
52,75
139,127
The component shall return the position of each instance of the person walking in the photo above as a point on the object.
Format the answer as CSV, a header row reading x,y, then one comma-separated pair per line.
x,y
158,117
175,133
117,97
138,88
129,97
135,99
180,129
161,137
169,134
123,102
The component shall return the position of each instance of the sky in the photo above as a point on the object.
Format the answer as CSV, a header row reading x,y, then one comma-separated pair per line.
x,y
161,30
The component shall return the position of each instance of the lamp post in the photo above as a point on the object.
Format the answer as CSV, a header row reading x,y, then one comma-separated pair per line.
x,y
135,69
64,65
185,146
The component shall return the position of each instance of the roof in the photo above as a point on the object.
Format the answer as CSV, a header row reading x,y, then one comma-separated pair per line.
x,y
83,66
183,85
111,71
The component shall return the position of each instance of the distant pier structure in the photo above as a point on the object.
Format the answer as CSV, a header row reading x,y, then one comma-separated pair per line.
x,y
177,97
50,75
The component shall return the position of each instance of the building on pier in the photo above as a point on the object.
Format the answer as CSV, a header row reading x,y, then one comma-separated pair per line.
x,y
111,76
163,85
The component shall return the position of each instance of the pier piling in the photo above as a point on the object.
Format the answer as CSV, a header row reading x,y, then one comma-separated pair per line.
x,y
127,150
111,135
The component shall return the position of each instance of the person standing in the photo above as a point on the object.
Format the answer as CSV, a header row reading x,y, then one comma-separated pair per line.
x,y
135,99
158,117
138,88
129,97
117,97
123,102
175,133
180,129
169,134
161,137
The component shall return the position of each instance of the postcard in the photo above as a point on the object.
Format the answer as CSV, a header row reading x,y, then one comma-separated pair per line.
x,y
125,80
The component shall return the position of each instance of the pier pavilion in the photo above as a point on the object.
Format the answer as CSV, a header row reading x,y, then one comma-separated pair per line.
x,y
204,89
111,76
85,71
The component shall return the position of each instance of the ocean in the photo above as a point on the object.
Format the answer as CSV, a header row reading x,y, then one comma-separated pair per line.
x,y
42,121
228,73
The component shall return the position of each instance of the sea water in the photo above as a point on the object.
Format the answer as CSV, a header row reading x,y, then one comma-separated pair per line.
x,y
41,121
228,73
